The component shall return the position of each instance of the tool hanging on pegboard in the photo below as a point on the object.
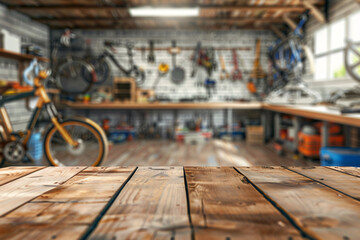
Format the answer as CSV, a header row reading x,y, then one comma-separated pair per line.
x,y
223,74
204,58
258,75
151,55
236,73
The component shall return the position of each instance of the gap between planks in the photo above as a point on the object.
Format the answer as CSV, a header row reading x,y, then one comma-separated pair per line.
x,y
320,211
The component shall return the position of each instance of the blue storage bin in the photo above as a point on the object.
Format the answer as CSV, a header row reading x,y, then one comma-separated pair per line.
x,y
119,136
340,156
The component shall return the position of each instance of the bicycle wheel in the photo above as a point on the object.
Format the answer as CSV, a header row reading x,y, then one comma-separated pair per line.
x,y
102,71
69,77
92,147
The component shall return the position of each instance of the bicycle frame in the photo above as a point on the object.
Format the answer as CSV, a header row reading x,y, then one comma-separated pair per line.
x,y
43,102
117,64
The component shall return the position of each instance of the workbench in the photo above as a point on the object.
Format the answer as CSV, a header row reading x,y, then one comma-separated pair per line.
x,y
270,114
179,203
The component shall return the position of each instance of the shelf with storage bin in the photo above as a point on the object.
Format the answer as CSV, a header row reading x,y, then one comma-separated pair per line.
x,y
22,59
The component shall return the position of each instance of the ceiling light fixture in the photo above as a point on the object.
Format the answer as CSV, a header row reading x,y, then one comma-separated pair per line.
x,y
164,12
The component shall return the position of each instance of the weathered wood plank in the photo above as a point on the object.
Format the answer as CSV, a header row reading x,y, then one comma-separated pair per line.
x,y
9,174
22,190
72,206
340,181
224,206
349,170
152,205
321,212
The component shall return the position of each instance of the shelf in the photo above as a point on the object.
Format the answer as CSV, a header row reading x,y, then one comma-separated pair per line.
x,y
20,57
205,105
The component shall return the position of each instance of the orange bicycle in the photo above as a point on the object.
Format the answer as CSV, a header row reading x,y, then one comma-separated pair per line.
x,y
76,141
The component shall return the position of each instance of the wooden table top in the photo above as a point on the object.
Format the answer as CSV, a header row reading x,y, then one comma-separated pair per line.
x,y
157,105
317,112
179,202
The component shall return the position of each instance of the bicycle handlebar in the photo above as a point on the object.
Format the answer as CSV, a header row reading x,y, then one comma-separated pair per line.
x,y
32,66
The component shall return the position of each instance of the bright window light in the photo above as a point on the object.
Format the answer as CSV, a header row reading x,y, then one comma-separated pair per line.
x,y
164,12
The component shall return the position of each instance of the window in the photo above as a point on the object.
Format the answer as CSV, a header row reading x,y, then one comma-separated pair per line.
x,y
329,46
354,33
337,35
321,45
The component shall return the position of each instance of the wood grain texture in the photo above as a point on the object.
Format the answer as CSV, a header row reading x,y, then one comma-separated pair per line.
x,y
321,212
224,105
152,205
349,170
224,206
342,182
9,174
20,191
71,207
316,112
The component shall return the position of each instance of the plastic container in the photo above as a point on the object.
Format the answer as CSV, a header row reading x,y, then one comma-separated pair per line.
x,y
119,136
340,156
35,146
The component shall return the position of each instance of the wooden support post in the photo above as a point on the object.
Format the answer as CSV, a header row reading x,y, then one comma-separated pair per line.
x,y
277,125
297,126
277,32
347,134
325,134
229,121
315,11
289,22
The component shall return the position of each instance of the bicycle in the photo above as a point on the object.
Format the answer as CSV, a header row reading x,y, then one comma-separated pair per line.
x,y
288,59
102,66
68,72
75,141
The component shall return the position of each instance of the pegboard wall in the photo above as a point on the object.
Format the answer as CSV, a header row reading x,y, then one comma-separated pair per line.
x,y
187,39
189,88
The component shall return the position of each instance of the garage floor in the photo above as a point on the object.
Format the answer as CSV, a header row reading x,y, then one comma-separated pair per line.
x,y
212,153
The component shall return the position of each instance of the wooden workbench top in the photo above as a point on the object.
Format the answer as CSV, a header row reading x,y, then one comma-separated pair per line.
x,y
157,105
179,202
317,112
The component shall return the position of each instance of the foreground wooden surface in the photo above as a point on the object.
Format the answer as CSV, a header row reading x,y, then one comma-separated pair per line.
x,y
179,203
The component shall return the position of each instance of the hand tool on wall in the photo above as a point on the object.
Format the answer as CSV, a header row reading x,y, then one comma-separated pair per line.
x,y
163,69
257,72
210,86
177,73
223,74
151,55
195,59
236,73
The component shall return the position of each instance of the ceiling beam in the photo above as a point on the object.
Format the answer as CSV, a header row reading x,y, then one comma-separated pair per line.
x,y
277,32
315,11
187,27
178,19
289,22
287,8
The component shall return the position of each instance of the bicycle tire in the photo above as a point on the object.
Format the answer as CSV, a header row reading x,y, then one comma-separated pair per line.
x,y
69,77
55,147
102,71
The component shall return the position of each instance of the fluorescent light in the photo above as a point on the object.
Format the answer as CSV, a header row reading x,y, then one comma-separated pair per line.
x,y
164,12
